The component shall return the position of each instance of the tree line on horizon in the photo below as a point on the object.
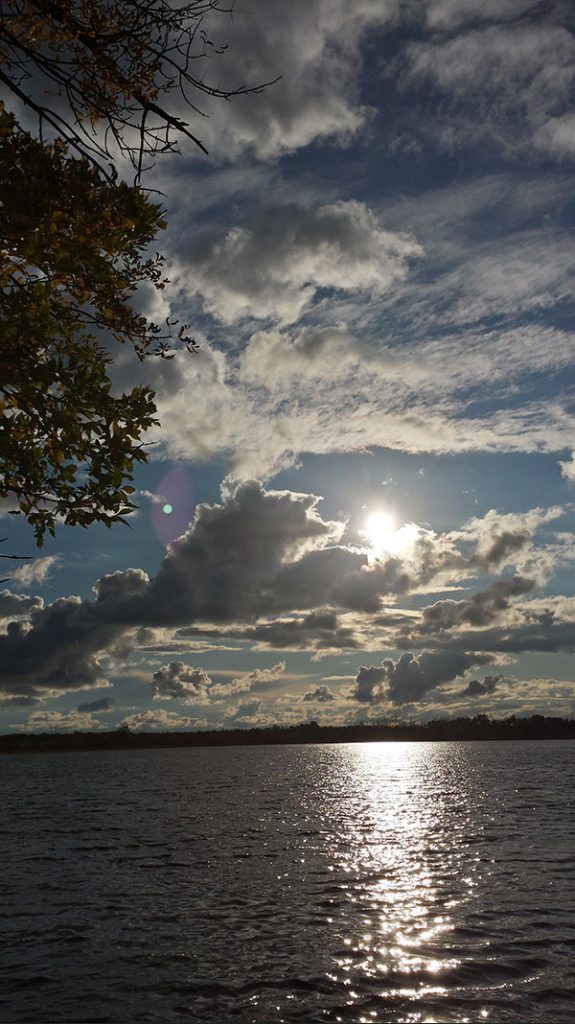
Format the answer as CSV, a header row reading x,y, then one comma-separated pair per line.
x,y
478,727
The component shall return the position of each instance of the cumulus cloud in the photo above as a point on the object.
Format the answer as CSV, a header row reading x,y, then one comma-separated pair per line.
x,y
258,555
181,682
12,605
412,676
227,567
274,265
533,631
320,629
194,685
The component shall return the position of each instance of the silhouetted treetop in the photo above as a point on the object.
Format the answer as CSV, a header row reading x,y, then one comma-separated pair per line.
x,y
99,74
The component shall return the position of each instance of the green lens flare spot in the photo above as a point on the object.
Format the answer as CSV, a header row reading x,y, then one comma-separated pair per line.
x,y
167,509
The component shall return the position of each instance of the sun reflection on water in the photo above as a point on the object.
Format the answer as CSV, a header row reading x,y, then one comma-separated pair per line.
x,y
393,855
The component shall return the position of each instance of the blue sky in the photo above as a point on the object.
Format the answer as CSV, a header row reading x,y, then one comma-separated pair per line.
x,y
369,462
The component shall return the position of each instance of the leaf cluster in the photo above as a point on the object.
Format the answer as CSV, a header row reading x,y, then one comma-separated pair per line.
x,y
72,252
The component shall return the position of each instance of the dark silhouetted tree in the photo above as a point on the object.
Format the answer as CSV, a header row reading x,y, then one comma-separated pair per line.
x,y
97,77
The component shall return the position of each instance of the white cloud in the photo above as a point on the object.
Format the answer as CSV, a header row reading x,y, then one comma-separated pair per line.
x,y
315,48
36,571
57,721
568,468
273,265
507,82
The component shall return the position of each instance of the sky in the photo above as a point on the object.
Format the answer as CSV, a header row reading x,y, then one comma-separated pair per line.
x,y
360,503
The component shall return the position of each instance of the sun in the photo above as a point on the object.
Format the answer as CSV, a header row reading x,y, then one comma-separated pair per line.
x,y
380,530
385,537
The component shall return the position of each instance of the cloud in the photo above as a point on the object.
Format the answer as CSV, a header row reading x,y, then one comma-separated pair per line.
x,y
256,555
316,50
194,685
479,688
273,265
181,682
159,720
58,721
320,695
542,632
91,706
412,676
481,609
246,711
261,679
452,14
18,702
568,469
17,604
262,409
508,83
320,629
59,651
36,571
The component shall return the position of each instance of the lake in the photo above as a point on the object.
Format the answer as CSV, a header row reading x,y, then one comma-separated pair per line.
x,y
350,882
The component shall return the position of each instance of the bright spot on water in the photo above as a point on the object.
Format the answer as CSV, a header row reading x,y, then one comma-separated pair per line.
x,y
167,509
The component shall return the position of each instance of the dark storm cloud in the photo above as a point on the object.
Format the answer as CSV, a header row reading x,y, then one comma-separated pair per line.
x,y
59,652
103,704
410,677
17,604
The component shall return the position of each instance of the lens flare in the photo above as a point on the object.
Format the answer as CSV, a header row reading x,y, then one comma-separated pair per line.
x,y
173,505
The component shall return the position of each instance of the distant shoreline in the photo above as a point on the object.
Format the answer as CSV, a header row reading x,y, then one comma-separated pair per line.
x,y
481,727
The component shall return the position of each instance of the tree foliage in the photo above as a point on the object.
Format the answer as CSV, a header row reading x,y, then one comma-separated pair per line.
x,y
75,239
73,253
100,72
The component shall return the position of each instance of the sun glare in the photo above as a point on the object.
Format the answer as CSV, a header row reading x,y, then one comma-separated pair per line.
x,y
384,537
380,529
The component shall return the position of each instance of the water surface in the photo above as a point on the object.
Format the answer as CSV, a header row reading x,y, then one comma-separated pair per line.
x,y
353,882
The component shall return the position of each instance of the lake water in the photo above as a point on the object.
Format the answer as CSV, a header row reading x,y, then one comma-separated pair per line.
x,y
353,882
